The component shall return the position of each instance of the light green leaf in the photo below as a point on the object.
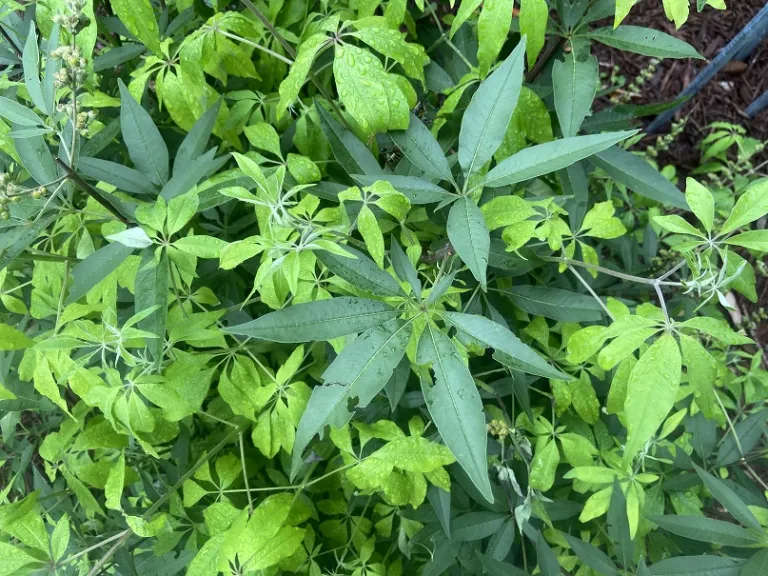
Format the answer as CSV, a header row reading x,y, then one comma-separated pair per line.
x,y
702,372
291,86
651,392
391,43
550,157
534,15
644,41
718,329
701,201
139,17
201,246
369,229
584,399
677,10
455,406
113,489
60,538
370,96
322,320
12,339
513,352
750,206
623,345
678,225
492,30
465,11
575,85
486,118
264,137
470,237
505,211
303,169
13,558
543,466
752,240
180,211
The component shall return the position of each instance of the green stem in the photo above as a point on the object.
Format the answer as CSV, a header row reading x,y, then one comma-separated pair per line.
x,y
630,277
249,43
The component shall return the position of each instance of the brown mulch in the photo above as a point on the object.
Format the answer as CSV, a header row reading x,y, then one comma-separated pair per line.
x,y
727,95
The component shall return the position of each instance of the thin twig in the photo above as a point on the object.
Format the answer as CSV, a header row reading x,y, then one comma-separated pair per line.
x,y
92,192
10,41
592,292
245,475
249,43
630,277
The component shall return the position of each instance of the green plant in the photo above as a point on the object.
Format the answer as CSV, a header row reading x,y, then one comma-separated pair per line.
x,y
252,262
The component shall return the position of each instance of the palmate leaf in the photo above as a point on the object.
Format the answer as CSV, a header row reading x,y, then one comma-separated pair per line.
x,y
321,320
455,406
360,371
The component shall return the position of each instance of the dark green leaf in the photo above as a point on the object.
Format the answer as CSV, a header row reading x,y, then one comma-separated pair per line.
x,y
618,526
575,85
728,498
196,140
349,152
470,237
555,303
123,178
757,564
476,525
187,178
116,56
707,530
497,568
31,62
485,120
550,157
321,320
360,271
545,557
145,144
498,337
95,268
455,406
644,41
404,267
441,504
749,432
36,159
361,371
417,190
501,542
639,176
592,556
152,287
704,565
421,148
